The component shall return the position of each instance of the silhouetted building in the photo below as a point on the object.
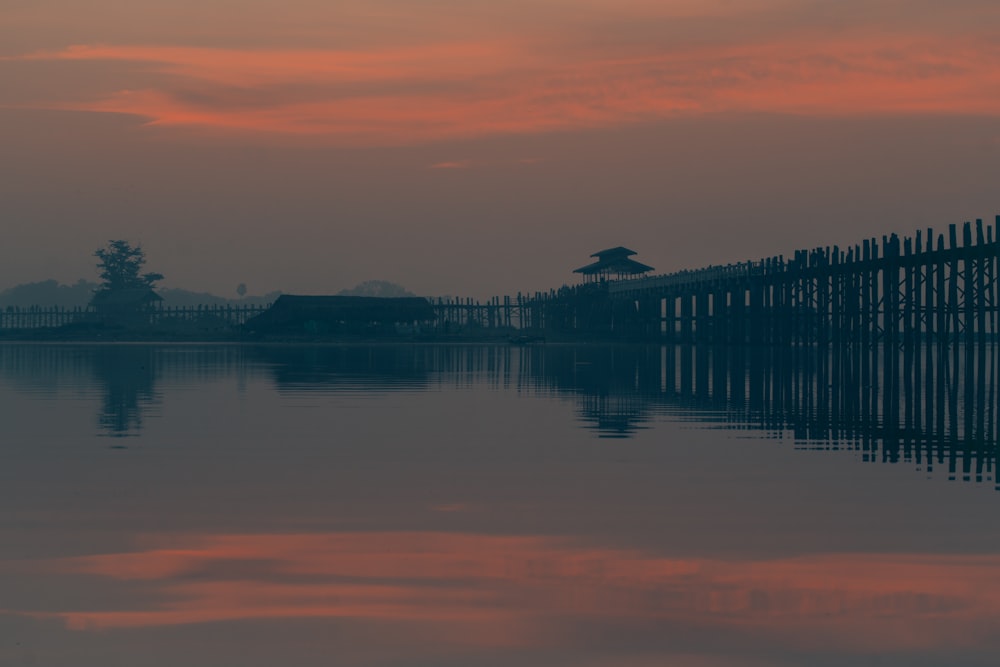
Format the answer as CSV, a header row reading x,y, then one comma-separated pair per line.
x,y
318,315
126,307
613,263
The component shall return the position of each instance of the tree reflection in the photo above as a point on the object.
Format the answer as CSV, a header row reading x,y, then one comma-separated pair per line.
x,y
127,375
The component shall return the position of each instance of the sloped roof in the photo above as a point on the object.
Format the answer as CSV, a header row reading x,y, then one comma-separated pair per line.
x,y
291,309
622,265
617,251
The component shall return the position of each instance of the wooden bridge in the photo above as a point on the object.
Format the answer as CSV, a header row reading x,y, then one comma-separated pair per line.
x,y
927,288
51,317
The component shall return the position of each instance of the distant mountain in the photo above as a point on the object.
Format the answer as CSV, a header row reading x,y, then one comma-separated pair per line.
x,y
173,297
379,288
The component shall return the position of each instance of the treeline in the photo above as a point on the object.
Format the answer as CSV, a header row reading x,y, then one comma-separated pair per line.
x,y
50,293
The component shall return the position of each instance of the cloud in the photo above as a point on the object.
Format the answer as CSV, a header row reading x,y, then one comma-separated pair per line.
x,y
609,65
456,164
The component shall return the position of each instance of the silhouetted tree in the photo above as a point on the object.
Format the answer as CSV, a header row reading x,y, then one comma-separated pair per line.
x,y
241,289
120,267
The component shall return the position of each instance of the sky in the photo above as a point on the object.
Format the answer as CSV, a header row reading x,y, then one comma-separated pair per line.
x,y
479,148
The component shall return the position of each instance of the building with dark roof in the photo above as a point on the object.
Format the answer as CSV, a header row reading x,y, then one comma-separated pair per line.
x,y
325,315
130,306
613,264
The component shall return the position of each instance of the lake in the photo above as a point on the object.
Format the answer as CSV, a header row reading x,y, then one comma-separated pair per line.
x,y
445,505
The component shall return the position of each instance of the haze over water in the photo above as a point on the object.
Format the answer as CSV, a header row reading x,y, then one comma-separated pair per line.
x,y
451,505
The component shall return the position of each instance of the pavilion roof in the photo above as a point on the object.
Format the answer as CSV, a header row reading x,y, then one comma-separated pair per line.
x,y
617,251
618,264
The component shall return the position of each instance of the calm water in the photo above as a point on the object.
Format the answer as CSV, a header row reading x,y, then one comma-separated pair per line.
x,y
552,505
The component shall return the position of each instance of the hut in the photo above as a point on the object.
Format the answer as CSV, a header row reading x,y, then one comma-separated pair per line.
x,y
613,263
130,306
331,315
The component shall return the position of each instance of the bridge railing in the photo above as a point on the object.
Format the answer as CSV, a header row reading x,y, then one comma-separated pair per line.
x,y
45,317
709,274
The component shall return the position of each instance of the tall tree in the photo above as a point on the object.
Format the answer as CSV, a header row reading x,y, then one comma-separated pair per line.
x,y
121,265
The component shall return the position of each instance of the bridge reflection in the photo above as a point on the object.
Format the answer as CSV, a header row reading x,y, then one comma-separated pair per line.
x,y
891,404
931,408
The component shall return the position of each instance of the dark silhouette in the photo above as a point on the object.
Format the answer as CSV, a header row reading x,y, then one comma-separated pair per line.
x,y
50,293
128,376
933,290
331,315
126,295
929,288
322,368
932,412
938,416
120,267
613,264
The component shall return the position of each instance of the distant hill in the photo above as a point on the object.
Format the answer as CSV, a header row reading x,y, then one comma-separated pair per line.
x,y
49,293
174,297
379,288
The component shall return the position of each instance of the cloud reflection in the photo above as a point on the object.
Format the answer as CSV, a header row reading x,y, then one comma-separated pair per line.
x,y
516,589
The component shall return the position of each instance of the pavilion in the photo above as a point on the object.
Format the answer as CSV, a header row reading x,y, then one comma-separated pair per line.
x,y
613,264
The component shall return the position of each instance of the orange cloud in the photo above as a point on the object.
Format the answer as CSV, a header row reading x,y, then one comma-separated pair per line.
x,y
514,583
520,85
453,164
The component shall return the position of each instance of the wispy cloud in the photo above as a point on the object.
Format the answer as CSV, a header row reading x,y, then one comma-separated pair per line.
x,y
471,164
455,164
603,70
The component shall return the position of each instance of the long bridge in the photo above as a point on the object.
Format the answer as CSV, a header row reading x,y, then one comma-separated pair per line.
x,y
929,288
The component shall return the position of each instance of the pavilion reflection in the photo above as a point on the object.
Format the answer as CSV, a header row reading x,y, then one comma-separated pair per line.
x,y
930,407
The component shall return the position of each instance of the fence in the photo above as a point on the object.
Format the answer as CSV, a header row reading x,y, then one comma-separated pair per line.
x,y
36,317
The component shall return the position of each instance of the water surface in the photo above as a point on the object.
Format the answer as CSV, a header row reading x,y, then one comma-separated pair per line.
x,y
492,505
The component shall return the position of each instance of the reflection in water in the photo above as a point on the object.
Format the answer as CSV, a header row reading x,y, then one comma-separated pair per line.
x,y
332,368
933,408
127,376
505,590
469,518
911,405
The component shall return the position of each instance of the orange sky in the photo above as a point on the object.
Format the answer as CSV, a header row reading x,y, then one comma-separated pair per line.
x,y
279,144
475,71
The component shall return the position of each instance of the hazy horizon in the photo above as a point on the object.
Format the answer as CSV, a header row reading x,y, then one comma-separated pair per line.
x,y
472,149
